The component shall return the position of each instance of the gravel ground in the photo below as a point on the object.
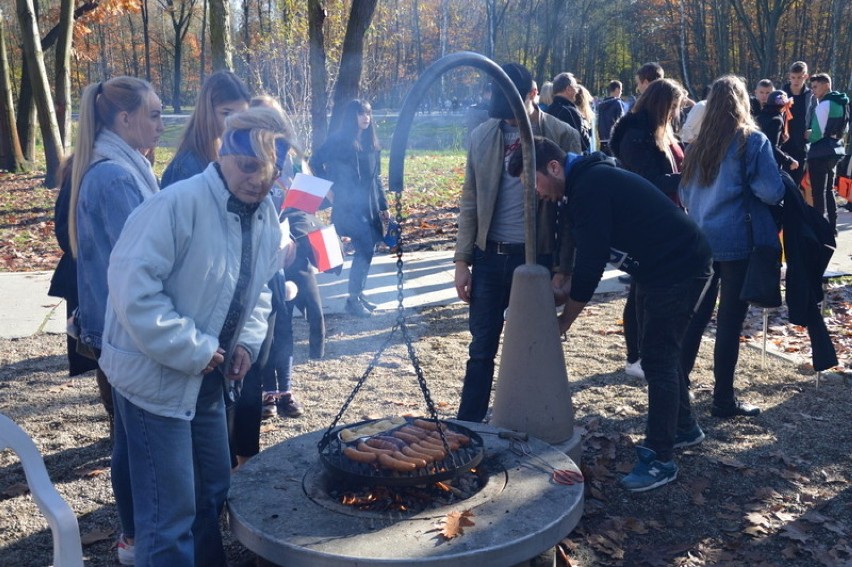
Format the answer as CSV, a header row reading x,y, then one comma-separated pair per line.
x,y
766,491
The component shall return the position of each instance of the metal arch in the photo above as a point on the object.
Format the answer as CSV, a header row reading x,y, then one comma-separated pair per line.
x,y
396,169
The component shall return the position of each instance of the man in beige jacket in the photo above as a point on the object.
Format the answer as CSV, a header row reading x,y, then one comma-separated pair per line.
x,y
490,242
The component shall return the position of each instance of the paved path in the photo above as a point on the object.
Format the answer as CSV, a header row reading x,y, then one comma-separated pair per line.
x,y
26,309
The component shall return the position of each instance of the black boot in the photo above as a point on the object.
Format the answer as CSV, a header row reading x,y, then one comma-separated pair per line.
x,y
368,304
737,408
354,307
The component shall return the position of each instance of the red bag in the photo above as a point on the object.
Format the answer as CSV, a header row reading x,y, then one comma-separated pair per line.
x,y
844,178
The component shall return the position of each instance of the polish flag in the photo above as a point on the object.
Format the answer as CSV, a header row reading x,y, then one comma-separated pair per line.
x,y
326,248
306,193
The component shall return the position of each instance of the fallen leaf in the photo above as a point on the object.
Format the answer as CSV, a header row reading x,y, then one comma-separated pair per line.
x,y
794,532
267,427
454,524
731,462
759,519
16,489
89,538
93,473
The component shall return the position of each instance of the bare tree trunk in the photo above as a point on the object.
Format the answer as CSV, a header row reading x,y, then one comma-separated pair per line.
x,y
203,62
221,45
11,156
351,57
146,37
319,75
26,121
62,72
41,90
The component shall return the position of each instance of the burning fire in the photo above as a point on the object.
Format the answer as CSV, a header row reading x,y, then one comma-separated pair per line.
x,y
382,498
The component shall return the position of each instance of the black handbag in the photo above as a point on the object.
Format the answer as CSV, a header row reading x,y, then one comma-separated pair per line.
x,y
762,282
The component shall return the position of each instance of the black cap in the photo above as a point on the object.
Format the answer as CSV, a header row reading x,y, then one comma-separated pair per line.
x,y
522,79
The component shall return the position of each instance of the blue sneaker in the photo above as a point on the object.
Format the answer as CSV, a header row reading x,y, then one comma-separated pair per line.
x,y
649,473
689,438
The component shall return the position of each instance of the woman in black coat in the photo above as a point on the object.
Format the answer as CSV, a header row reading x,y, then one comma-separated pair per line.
x,y
643,141
350,158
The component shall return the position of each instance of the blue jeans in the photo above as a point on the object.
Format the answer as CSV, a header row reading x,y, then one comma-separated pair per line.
x,y
491,283
181,474
665,314
120,475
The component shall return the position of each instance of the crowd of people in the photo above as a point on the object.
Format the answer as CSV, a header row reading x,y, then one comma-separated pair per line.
x,y
677,207
181,291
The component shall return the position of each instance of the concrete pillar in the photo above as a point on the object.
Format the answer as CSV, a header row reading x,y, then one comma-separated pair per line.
x,y
532,385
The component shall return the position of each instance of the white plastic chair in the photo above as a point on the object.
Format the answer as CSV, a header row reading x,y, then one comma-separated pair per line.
x,y
67,550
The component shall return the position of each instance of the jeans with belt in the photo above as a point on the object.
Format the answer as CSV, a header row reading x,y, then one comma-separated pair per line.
x,y
491,283
665,314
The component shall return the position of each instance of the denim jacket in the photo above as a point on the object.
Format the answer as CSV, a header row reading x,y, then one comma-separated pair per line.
x,y
108,194
183,166
720,208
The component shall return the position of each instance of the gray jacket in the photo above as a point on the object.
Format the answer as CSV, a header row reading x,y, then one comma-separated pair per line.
x,y
172,275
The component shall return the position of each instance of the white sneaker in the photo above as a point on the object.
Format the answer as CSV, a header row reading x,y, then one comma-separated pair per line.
x,y
126,555
634,369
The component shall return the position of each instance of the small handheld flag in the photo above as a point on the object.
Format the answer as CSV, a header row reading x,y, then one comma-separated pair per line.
x,y
325,245
306,193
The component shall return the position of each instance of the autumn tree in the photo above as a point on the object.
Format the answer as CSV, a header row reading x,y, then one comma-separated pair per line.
x,y
11,156
352,56
41,90
221,45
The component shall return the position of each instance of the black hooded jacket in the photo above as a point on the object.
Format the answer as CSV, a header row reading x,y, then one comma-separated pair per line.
x,y
633,143
622,219
567,112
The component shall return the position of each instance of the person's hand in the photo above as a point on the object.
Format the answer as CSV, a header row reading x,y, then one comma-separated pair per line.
x,y
218,358
288,253
239,365
462,280
561,285
794,165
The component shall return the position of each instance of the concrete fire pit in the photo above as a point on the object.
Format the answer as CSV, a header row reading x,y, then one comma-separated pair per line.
x,y
279,509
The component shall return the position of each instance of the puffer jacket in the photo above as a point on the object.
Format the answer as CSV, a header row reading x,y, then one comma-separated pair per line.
x,y
172,276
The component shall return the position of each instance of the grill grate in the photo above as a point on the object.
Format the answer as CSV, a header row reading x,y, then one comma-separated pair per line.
x,y
463,458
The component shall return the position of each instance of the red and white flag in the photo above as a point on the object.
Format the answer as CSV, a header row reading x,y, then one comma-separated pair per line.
x,y
306,193
326,248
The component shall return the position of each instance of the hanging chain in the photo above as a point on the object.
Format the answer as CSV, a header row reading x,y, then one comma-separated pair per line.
x,y
409,345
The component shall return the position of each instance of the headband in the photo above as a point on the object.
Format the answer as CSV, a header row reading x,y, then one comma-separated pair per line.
x,y
238,143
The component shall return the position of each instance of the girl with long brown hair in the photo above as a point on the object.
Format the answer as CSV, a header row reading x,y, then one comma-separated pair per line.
x,y
729,180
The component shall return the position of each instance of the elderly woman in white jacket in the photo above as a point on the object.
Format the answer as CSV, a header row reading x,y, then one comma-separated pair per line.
x,y
186,316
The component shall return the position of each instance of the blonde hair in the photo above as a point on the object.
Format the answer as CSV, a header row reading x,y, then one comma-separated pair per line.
x,y
660,102
583,101
729,113
100,104
265,125
545,95
269,101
